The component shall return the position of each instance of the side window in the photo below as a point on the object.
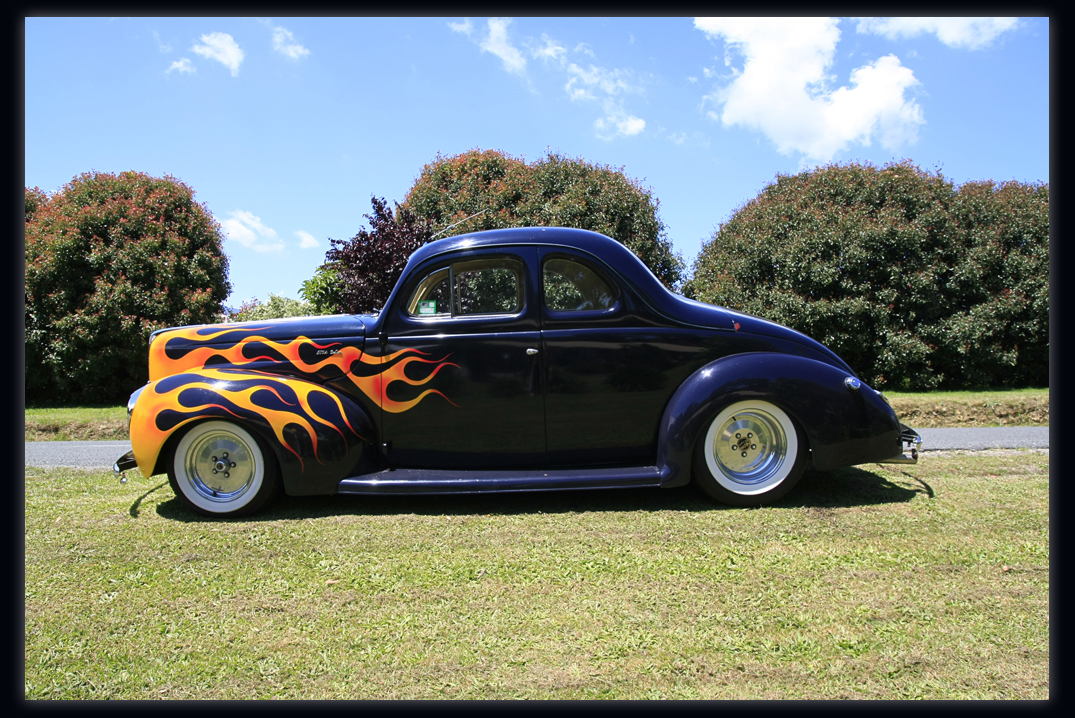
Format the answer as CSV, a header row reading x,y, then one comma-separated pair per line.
x,y
477,286
573,287
433,295
488,286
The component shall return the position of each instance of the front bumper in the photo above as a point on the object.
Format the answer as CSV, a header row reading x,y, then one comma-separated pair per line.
x,y
909,439
124,463
127,462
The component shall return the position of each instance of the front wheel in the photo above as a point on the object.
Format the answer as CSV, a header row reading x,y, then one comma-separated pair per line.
x,y
219,469
751,454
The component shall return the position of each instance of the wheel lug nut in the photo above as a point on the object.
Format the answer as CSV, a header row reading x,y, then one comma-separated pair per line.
x,y
752,446
214,458
749,436
739,436
214,471
228,476
744,454
233,464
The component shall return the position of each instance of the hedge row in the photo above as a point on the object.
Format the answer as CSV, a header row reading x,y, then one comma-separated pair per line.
x,y
918,284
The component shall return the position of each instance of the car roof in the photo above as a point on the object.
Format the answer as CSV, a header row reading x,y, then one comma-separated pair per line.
x,y
599,245
615,255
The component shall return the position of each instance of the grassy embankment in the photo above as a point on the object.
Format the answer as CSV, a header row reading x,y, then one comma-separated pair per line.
x,y
1019,407
927,581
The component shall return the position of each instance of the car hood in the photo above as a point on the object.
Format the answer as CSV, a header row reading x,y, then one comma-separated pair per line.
x,y
304,343
333,326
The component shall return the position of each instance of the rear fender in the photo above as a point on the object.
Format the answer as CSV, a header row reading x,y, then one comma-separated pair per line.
x,y
318,436
843,426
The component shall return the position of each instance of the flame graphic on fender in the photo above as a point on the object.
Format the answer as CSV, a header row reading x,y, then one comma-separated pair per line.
x,y
187,349
225,393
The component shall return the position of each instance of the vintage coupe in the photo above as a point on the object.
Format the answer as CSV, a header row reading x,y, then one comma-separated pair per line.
x,y
506,360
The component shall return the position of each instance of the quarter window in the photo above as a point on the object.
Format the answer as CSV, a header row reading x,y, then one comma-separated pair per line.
x,y
573,287
474,287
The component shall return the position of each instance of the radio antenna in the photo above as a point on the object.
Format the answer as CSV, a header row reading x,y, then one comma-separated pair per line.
x,y
457,223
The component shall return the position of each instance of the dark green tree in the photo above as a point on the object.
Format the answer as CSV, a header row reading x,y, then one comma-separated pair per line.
x,y
918,284
109,259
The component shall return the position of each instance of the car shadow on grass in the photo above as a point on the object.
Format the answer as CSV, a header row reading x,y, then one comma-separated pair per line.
x,y
843,488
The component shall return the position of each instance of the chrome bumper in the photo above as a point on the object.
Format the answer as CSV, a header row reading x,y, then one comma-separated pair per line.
x,y
910,439
124,463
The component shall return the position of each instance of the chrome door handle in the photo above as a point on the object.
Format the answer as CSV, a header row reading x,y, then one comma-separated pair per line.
x,y
531,352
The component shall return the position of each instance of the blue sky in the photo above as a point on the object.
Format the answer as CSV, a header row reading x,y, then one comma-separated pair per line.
x,y
285,127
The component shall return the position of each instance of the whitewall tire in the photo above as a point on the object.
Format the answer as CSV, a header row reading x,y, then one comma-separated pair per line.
x,y
220,469
751,453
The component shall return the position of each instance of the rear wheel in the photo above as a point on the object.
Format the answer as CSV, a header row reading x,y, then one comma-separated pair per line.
x,y
751,454
220,469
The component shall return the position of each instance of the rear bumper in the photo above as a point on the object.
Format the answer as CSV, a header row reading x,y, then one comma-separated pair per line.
x,y
911,442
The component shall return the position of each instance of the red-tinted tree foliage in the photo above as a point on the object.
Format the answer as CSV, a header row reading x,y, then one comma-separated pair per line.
x,y
554,191
109,259
368,265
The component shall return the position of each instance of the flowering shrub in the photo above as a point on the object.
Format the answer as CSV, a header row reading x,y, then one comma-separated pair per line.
x,y
553,192
109,259
277,307
916,283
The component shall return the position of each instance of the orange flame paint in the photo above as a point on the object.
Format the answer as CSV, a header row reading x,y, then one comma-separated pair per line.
x,y
375,386
147,439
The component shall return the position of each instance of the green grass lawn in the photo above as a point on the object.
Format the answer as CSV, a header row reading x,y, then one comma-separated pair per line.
x,y
75,423
926,581
999,395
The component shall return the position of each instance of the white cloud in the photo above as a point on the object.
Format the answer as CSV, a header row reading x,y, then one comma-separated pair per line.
x,y
590,83
583,82
180,65
617,122
783,89
585,49
972,33
162,46
284,43
550,51
247,230
466,27
221,47
496,41
597,83
306,240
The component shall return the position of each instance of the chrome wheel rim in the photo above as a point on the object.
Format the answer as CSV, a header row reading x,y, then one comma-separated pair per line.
x,y
750,447
220,466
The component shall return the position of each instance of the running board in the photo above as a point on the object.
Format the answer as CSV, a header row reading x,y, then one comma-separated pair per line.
x,y
437,481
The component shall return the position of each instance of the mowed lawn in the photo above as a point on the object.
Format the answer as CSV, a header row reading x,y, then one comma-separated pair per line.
x,y
928,581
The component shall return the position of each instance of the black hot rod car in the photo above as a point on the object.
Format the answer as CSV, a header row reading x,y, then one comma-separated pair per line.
x,y
507,360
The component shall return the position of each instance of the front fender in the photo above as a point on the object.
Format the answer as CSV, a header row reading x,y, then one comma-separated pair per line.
x,y
843,427
318,436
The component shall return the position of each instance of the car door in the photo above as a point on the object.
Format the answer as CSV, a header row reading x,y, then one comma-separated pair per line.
x,y
612,365
465,386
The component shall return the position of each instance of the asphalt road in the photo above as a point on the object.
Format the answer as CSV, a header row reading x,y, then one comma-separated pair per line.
x,y
102,454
